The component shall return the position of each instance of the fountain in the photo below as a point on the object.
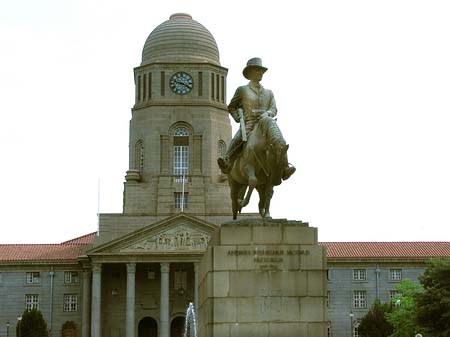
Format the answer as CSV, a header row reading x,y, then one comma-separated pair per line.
x,y
190,319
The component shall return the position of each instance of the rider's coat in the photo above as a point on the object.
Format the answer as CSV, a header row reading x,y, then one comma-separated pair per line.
x,y
250,98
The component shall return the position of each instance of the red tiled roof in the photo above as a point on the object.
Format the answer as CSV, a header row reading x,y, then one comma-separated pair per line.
x,y
71,249
83,240
68,250
390,250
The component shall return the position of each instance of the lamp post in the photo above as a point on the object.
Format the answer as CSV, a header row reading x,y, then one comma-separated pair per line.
x,y
19,319
351,323
7,328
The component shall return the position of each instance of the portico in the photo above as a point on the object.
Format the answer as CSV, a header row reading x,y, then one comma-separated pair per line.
x,y
151,274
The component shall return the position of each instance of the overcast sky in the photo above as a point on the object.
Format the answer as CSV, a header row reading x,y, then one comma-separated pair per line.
x,y
362,88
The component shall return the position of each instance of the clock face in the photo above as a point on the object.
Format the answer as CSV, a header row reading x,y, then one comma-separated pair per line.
x,y
181,83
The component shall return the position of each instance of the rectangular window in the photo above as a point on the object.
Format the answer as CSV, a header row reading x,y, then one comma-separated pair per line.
x,y
200,83
356,330
359,274
150,274
328,299
180,280
31,301
329,329
181,200
139,89
217,87
359,299
144,89
180,160
395,297
33,278
395,274
212,86
70,302
70,277
163,83
222,89
149,85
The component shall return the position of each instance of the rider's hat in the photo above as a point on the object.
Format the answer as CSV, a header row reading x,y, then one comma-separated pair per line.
x,y
253,63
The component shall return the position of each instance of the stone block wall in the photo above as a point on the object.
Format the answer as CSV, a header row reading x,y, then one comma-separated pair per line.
x,y
264,278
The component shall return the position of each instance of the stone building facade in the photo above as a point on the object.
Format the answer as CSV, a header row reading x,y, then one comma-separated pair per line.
x,y
56,279
361,272
137,275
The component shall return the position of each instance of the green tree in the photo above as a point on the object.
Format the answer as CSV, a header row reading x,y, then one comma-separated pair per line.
x,y
374,323
403,313
32,324
433,304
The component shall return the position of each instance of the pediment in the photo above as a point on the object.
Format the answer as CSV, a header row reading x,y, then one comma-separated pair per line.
x,y
178,234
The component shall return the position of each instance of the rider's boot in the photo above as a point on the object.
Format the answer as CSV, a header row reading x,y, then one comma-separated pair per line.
x,y
288,171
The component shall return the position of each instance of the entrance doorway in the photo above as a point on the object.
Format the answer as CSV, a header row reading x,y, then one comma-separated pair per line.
x,y
177,327
147,327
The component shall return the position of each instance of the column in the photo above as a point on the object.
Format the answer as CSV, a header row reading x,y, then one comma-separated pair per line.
x,y
96,300
85,303
196,266
131,293
164,302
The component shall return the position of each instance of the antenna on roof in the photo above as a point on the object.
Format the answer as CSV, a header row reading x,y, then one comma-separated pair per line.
x,y
98,206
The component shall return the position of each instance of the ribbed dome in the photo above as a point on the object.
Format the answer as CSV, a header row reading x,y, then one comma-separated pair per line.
x,y
180,39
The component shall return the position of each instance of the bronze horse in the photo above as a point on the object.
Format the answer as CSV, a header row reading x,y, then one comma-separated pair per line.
x,y
260,165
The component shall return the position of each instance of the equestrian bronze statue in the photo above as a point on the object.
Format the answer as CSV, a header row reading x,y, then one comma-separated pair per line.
x,y
257,154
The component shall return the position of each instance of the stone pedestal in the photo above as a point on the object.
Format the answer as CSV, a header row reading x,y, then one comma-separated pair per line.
x,y
264,278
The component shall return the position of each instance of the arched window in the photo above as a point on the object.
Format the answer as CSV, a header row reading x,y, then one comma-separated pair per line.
x,y
139,156
222,148
181,152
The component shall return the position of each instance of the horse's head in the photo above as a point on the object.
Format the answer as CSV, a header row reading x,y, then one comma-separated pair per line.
x,y
277,161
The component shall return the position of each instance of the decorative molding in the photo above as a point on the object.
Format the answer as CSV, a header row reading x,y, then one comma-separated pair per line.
x,y
96,267
131,268
178,239
165,267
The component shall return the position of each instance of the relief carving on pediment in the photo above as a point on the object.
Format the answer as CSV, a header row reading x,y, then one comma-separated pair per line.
x,y
180,238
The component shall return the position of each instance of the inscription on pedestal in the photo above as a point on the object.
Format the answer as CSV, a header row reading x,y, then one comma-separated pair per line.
x,y
268,259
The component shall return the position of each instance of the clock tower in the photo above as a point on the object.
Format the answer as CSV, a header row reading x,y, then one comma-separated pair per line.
x,y
179,125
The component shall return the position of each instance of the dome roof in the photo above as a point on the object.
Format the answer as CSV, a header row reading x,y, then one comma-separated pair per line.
x,y
180,39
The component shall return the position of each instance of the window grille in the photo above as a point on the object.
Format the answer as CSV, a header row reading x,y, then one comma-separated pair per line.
x,y
395,274
181,200
181,152
359,299
180,280
31,301
33,278
359,274
356,330
70,302
70,277
222,148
